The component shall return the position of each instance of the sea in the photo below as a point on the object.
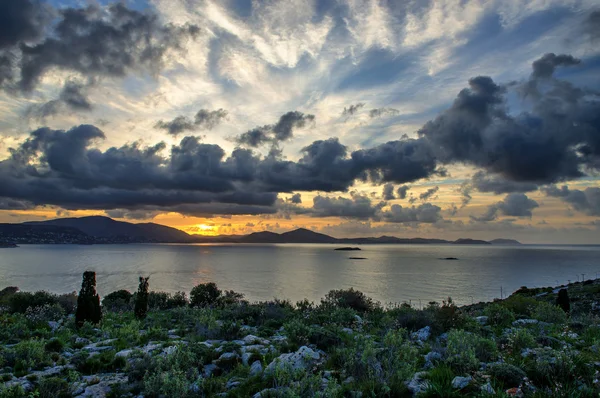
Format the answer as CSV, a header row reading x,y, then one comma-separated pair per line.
x,y
390,274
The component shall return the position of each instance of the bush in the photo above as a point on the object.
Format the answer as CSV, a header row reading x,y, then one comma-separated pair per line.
x,y
117,301
170,383
166,301
521,339
297,332
88,301
204,294
54,345
45,313
141,299
508,375
447,316
349,298
54,387
520,305
21,301
499,315
465,350
546,312
68,302
230,297
411,319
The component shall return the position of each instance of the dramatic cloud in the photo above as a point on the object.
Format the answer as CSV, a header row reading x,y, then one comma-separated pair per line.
x,y
72,97
513,205
388,192
204,120
429,193
274,133
592,25
296,198
425,213
358,207
556,140
352,109
586,201
497,185
93,41
402,190
379,112
176,126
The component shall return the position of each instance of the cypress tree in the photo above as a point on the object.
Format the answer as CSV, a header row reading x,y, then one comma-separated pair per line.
x,y
88,301
141,299
563,301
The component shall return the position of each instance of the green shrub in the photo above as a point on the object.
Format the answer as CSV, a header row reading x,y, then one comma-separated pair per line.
x,y
507,374
54,345
13,392
563,301
465,350
117,301
447,316
546,312
229,297
204,294
141,299
349,298
297,332
88,301
521,339
30,354
21,301
410,318
499,315
520,305
165,301
68,302
170,383
45,313
54,387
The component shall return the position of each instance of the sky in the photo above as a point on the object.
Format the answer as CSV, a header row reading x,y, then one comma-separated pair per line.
x,y
445,119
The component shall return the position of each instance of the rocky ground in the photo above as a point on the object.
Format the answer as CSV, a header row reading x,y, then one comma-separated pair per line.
x,y
346,346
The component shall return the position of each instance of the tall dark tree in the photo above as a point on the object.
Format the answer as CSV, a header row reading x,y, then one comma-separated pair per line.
x,y
88,301
141,299
563,301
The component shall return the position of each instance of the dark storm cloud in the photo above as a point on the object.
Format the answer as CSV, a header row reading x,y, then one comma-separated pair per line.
x,y
388,192
425,213
402,190
352,109
556,140
208,120
176,126
429,193
12,204
296,198
379,112
485,183
586,201
132,214
93,41
283,130
72,97
513,205
358,207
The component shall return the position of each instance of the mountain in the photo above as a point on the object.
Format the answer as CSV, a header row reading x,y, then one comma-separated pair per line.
x,y
505,242
104,227
98,229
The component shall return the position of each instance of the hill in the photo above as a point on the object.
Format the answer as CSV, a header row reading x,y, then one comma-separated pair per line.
x,y
105,227
505,242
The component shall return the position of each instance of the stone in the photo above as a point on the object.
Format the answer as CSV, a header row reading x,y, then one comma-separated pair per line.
x,y
418,384
251,339
430,358
228,360
124,354
358,320
247,357
422,334
209,370
25,384
103,385
524,322
232,383
461,382
254,348
53,325
169,350
482,320
273,392
348,330
299,360
256,368
488,389
82,340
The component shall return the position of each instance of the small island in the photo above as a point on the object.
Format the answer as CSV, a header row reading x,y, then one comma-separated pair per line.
x,y
357,258
4,245
448,258
347,249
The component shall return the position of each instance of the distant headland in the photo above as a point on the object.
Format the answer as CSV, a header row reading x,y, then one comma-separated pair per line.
x,y
105,230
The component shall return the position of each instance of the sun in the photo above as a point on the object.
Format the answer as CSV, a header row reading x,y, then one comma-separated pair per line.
x,y
202,229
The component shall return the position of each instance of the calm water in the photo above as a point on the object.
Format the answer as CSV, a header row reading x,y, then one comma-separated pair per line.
x,y
391,273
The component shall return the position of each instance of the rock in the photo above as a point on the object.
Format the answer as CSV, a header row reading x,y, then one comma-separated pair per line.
x,y
273,392
348,330
524,322
488,389
348,380
250,339
422,334
209,370
233,383
25,384
82,340
358,320
249,357
227,360
299,360
461,382
248,329
150,347
254,348
482,320
53,371
256,368
418,384
430,357
169,350
124,354
104,385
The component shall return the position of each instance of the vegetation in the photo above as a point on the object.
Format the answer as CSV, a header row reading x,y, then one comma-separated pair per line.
x,y
159,344
88,301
